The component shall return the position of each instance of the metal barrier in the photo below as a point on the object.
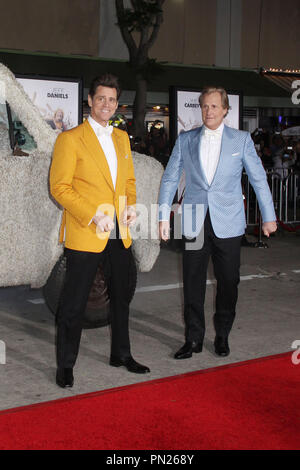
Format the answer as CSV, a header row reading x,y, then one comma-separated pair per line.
x,y
284,186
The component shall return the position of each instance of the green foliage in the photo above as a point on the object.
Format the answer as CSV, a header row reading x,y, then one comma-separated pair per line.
x,y
142,16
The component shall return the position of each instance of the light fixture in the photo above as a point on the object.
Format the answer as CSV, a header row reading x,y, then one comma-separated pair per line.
x,y
280,70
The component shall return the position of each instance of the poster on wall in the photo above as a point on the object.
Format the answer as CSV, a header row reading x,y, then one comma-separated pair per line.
x,y
186,115
59,100
186,111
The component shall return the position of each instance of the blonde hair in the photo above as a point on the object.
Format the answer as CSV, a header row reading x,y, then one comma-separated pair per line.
x,y
212,89
57,111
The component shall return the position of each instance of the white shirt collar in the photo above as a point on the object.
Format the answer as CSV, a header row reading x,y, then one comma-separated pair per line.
x,y
95,125
98,127
218,131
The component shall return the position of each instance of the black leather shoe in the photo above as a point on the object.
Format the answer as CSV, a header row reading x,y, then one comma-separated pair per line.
x,y
130,364
221,346
187,350
64,377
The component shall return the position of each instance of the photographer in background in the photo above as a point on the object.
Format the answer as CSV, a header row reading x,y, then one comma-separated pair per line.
x,y
261,144
284,157
297,150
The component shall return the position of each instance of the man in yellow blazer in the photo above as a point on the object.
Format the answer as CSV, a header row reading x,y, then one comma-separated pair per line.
x,y
92,178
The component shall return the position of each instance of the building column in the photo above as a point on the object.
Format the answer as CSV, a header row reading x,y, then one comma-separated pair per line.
x,y
228,33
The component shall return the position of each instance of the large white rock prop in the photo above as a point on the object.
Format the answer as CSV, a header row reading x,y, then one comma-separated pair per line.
x,y
30,218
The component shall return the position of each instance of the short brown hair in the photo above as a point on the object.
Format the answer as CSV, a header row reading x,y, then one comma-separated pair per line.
x,y
213,89
108,80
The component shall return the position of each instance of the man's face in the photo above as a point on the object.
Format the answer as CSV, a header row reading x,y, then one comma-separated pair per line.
x,y
103,104
213,112
59,116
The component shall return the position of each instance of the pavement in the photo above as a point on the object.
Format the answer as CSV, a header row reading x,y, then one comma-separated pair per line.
x,y
267,323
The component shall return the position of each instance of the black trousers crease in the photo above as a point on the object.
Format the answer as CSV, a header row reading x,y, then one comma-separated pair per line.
x,y
225,255
80,274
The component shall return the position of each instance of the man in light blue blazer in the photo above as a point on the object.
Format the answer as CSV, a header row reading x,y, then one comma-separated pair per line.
x,y
213,158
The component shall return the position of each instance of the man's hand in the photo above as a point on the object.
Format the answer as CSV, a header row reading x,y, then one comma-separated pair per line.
x,y
129,216
103,222
268,228
164,230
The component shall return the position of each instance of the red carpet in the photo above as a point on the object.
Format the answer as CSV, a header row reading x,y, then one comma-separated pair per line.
x,y
248,405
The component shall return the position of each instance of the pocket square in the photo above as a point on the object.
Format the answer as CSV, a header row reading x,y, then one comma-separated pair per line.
x,y
235,154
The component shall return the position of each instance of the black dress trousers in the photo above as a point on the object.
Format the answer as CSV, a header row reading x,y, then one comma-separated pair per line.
x,y
80,273
225,255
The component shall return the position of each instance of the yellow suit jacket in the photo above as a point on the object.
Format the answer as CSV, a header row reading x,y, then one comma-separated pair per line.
x,y
81,183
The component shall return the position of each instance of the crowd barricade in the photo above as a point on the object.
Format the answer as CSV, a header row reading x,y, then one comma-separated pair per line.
x,y
284,186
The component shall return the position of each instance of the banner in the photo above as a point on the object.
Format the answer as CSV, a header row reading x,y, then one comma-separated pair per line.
x,y
189,112
58,100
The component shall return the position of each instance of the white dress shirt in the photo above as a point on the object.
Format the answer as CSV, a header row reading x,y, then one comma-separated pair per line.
x,y
108,148
210,150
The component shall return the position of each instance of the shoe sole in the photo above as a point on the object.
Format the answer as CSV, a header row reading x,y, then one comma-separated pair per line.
x,y
63,385
187,355
118,364
222,354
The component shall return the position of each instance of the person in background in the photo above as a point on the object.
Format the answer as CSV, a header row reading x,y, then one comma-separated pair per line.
x,y
284,158
297,153
158,143
57,123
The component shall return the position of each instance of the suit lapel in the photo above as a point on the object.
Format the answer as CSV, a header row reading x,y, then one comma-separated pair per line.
x,y
195,147
117,141
94,148
224,152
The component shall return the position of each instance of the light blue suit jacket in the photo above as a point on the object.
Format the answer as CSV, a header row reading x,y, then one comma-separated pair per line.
x,y
223,196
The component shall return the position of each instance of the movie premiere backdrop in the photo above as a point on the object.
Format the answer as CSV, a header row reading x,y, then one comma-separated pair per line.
x,y
59,100
186,114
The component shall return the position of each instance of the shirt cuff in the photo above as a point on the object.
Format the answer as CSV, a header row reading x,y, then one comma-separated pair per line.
x,y
164,212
